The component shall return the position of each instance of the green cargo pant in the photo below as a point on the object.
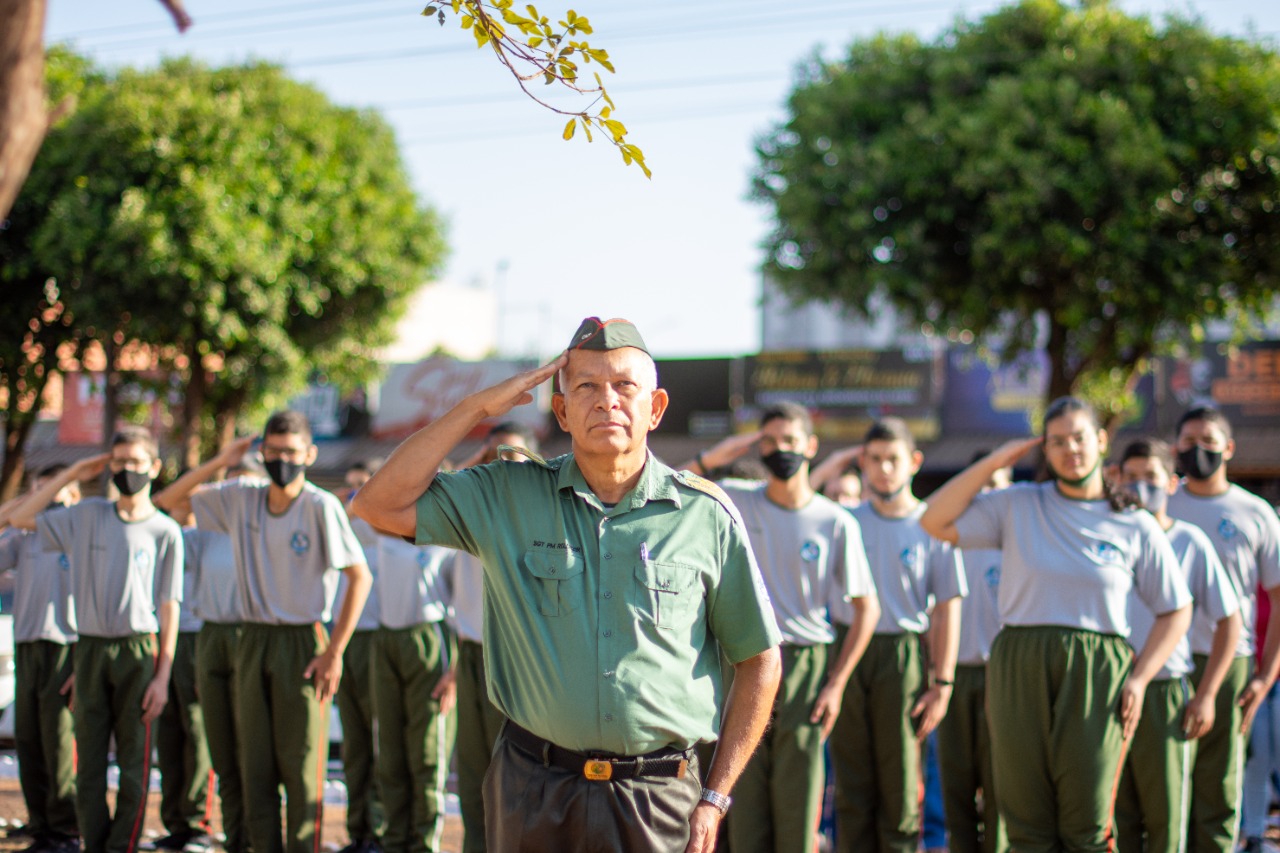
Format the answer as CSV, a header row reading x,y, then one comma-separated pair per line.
x,y
964,756
112,675
45,738
875,752
1217,780
778,798
284,735
1053,699
479,723
215,678
414,738
1152,805
355,709
182,752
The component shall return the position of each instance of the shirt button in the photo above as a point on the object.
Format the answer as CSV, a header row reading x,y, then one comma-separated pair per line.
x,y
608,595
608,673
608,718
608,556
608,633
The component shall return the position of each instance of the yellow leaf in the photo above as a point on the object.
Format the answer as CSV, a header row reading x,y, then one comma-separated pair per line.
x,y
569,129
604,112
467,21
534,41
617,128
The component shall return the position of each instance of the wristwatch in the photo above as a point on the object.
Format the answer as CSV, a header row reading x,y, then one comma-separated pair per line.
x,y
717,799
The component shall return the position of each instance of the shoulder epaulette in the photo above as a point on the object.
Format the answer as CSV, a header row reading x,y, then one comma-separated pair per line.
x,y
702,484
529,454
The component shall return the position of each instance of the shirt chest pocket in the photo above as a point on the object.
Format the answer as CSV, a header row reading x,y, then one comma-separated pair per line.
x,y
556,580
667,594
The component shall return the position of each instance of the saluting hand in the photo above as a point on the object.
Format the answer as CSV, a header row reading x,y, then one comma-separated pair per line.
x,y
1010,452
499,399
90,467
231,455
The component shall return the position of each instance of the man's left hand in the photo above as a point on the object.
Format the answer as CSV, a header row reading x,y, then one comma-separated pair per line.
x,y
1250,699
826,709
326,669
930,709
154,699
704,823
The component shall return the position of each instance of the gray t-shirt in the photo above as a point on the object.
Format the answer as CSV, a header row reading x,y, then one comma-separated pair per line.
x,y
368,539
1072,563
120,571
980,609
1214,597
43,608
413,583
808,558
287,565
466,587
1245,532
912,571
211,562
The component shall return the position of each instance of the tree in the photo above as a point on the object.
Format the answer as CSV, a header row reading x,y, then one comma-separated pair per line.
x,y
246,230
1057,175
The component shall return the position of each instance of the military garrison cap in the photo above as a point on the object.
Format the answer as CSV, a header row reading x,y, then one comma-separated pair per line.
x,y
598,334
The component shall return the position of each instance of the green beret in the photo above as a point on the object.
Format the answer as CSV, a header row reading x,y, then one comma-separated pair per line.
x,y
598,334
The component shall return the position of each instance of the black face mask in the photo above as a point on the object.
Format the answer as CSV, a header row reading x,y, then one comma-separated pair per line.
x,y
784,464
283,473
129,483
1199,463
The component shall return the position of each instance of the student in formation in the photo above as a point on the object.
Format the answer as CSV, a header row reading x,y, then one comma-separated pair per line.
x,y
810,552
126,577
1155,788
44,634
478,720
214,599
970,799
1246,534
291,541
893,702
1064,692
182,751
355,694
413,691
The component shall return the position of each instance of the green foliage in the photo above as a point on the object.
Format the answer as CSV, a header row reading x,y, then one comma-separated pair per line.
x,y
1050,174
533,48
235,219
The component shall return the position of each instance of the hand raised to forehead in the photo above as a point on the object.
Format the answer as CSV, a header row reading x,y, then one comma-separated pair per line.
x,y
499,399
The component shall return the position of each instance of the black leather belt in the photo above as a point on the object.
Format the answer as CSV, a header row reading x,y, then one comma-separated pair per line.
x,y
599,767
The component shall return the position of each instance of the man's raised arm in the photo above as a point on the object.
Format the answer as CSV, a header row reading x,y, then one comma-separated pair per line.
x,y
388,501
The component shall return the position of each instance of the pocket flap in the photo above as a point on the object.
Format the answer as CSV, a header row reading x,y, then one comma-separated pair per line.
x,y
667,577
553,564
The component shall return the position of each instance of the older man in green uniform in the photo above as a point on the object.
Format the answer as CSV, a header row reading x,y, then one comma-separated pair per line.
x,y
612,585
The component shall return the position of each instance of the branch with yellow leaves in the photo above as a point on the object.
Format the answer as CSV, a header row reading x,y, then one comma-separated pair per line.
x,y
532,48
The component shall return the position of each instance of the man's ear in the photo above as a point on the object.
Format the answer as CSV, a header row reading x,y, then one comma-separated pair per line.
x,y
658,402
558,408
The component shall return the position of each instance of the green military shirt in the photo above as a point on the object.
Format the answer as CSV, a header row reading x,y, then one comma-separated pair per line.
x,y
601,624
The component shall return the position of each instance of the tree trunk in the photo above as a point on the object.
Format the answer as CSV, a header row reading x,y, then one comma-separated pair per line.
x,y
193,408
1061,377
23,118
110,393
226,416
16,431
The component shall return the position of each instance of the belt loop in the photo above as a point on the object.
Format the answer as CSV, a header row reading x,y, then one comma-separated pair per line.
x,y
546,753
639,765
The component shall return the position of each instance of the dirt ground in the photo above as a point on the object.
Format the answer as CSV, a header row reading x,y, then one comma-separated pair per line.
x,y
14,811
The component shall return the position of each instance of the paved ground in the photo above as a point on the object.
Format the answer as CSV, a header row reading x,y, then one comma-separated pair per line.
x,y
13,811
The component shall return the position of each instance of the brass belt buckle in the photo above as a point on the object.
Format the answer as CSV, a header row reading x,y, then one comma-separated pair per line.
x,y
598,771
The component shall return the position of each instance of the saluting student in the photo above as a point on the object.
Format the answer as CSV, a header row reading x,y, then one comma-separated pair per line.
x,y
291,540
1245,532
126,571
1155,789
1063,689
890,706
44,634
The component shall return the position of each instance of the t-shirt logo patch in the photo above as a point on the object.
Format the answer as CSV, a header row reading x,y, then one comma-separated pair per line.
x,y
1227,528
63,562
142,560
1104,552
809,551
992,576
300,543
423,558
908,557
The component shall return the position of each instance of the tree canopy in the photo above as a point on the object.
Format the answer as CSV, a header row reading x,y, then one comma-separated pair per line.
x,y
1056,175
234,221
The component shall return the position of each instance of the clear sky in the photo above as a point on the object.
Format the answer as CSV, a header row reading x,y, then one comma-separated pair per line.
x,y
562,230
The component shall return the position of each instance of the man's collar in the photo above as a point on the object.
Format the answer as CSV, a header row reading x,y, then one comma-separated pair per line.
x,y
656,483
